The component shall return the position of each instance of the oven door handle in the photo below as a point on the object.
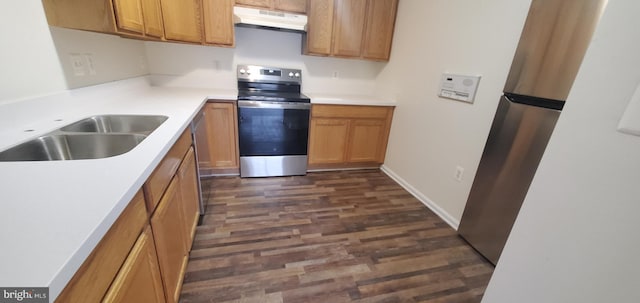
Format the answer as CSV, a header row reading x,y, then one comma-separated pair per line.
x,y
277,105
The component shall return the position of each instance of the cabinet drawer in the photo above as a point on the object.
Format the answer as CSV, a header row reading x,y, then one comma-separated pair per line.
x,y
159,180
92,280
350,111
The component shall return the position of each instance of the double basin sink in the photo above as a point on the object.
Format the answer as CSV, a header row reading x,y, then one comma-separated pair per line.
x,y
95,137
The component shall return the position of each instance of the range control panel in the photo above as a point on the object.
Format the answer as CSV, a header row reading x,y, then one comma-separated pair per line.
x,y
273,74
459,87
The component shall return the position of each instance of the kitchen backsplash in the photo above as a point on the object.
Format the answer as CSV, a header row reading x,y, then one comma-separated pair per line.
x,y
173,64
89,58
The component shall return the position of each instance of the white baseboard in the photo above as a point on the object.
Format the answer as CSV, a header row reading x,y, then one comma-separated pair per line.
x,y
445,216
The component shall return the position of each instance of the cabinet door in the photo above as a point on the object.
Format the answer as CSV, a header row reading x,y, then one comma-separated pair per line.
x,y
367,141
348,27
129,15
171,243
182,20
222,127
327,140
294,6
319,27
189,190
381,17
92,280
218,22
255,3
153,25
90,15
139,278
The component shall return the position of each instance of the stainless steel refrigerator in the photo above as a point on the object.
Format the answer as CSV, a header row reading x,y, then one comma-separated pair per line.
x,y
553,42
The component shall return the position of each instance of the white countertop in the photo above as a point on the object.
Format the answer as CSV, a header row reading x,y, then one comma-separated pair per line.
x,y
53,213
343,99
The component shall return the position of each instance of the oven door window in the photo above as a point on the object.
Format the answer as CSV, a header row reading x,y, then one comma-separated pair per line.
x,y
273,131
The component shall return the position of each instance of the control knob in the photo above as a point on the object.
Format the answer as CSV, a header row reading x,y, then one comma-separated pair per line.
x,y
242,71
297,75
290,74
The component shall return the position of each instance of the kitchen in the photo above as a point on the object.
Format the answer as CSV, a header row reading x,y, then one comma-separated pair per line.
x,y
430,136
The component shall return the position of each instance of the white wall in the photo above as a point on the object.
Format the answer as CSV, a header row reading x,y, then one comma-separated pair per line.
x,y
576,238
29,65
175,64
430,136
114,58
35,58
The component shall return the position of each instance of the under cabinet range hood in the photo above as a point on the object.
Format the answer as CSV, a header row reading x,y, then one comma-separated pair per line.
x,y
253,17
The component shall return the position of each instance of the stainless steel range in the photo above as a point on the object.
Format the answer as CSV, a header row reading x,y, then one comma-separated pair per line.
x,y
273,121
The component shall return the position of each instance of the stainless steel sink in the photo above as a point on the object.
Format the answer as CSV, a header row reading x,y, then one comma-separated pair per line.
x,y
116,124
95,137
72,147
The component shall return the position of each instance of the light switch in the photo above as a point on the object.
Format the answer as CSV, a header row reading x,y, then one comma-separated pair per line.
x,y
630,122
459,87
88,58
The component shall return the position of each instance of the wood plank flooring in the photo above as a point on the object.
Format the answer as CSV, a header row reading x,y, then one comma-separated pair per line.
x,y
330,237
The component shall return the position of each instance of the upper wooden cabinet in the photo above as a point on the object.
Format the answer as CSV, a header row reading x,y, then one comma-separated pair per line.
x,y
351,28
255,3
218,22
90,15
152,13
129,15
182,20
141,17
348,136
319,35
361,29
348,27
294,6
175,20
379,29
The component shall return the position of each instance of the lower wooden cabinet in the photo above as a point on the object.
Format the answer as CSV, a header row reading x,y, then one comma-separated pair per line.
x,y
189,190
348,136
92,280
328,140
218,152
367,140
168,224
144,255
157,183
139,278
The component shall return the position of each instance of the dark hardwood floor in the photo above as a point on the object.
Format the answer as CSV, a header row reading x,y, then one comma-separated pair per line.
x,y
351,236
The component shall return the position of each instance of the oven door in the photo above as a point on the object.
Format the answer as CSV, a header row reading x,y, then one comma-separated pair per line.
x,y
273,128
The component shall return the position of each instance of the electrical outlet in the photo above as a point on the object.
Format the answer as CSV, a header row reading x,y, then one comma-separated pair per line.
x,y
459,173
77,65
142,62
